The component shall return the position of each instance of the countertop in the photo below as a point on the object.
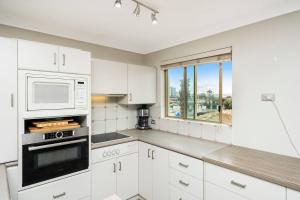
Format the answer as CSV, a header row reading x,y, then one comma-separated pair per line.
x,y
189,146
274,168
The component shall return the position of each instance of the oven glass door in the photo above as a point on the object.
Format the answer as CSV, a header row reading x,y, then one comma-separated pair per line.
x,y
45,161
50,93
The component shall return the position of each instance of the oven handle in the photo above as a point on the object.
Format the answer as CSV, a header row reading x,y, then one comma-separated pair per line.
x,y
34,148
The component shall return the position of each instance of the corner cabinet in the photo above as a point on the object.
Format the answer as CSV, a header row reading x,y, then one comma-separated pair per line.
x,y
141,88
153,172
47,57
8,106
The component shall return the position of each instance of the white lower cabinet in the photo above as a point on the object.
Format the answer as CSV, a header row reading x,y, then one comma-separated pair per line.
x,y
293,195
153,172
77,187
12,176
113,174
176,194
240,184
214,192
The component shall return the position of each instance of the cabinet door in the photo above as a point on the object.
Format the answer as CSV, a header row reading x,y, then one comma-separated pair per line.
x,y
214,192
12,176
127,176
37,56
145,171
8,106
109,77
293,195
74,61
160,159
141,85
104,179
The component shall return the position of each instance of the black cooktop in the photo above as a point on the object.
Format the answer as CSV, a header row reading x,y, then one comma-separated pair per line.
x,y
107,137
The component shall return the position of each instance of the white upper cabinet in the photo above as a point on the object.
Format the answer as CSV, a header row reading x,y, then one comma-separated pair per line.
x,y
37,56
109,77
8,105
141,85
47,57
293,195
74,61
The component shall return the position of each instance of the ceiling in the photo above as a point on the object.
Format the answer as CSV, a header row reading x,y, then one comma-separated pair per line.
x,y
99,22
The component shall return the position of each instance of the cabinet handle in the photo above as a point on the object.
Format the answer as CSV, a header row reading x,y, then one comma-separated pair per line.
x,y
183,165
238,184
152,155
54,58
149,153
120,166
64,59
115,168
59,195
183,183
12,100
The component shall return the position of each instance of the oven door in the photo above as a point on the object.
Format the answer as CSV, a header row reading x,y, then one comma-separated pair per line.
x,y
50,93
44,161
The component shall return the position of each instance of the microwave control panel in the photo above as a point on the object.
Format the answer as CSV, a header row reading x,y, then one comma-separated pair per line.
x,y
81,93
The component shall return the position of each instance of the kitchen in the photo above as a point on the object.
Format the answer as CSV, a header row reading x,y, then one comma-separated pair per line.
x,y
96,111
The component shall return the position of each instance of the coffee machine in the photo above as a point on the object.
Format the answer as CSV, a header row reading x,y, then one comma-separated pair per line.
x,y
143,118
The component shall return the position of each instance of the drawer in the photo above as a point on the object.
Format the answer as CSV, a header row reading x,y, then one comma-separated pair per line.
x,y
213,192
246,186
186,164
186,183
73,188
293,195
114,151
177,194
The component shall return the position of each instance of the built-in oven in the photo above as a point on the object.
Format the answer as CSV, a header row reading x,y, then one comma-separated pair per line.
x,y
54,154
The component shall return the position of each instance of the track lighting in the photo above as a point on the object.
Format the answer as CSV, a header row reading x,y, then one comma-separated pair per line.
x,y
153,18
137,10
118,4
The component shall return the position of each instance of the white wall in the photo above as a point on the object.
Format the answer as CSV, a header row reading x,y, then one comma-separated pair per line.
x,y
265,59
109,116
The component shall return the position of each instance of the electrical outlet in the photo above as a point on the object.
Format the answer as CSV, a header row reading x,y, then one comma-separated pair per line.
x,y
153,121
268,97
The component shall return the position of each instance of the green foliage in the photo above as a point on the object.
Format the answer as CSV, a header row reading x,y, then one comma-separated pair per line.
x,y
228,104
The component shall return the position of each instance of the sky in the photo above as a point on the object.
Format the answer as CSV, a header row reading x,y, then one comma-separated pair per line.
x,y
207,75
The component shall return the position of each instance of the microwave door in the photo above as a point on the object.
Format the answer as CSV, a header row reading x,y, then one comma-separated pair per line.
x,y
50,94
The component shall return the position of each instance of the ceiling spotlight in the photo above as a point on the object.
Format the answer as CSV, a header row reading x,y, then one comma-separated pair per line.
x,y
118,4
137,10
153,18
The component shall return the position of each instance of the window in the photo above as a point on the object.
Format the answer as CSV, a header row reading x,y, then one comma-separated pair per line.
x,y
200,91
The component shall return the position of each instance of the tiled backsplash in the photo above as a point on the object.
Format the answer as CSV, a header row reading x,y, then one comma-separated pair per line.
x,y
214,132
109,116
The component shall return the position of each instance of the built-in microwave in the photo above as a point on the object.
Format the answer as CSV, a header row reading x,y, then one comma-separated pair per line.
x,y
44,91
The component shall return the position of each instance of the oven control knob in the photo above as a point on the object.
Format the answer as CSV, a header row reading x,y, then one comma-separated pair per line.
x,y
104,154
59,134
113,152
118,151
109,153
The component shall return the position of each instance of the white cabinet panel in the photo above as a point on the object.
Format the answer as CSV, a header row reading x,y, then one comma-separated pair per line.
x,y
37,56
145,171
293,195
109,77
73,188
214,192
127,176
74,61
244,185
8,105
177,194
141,85
160,159
104,179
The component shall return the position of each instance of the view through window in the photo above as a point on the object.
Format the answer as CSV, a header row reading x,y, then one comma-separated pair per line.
x,y
201,91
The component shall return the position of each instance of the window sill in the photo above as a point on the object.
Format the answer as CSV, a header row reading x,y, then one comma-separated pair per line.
x,y
197,122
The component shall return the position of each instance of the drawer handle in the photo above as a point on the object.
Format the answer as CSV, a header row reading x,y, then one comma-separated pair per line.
x,y
238,184
183,165
59,195
184,183
149,153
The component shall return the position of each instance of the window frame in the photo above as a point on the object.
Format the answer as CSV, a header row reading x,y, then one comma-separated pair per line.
x,y
184,115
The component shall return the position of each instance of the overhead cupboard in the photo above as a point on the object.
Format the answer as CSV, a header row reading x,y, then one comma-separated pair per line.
x,y
52,58
135,82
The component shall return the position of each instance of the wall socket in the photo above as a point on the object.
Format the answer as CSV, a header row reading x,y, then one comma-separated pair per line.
x,y
268,97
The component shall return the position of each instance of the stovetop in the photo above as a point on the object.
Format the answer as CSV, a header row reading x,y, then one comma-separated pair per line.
x,y
106,137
